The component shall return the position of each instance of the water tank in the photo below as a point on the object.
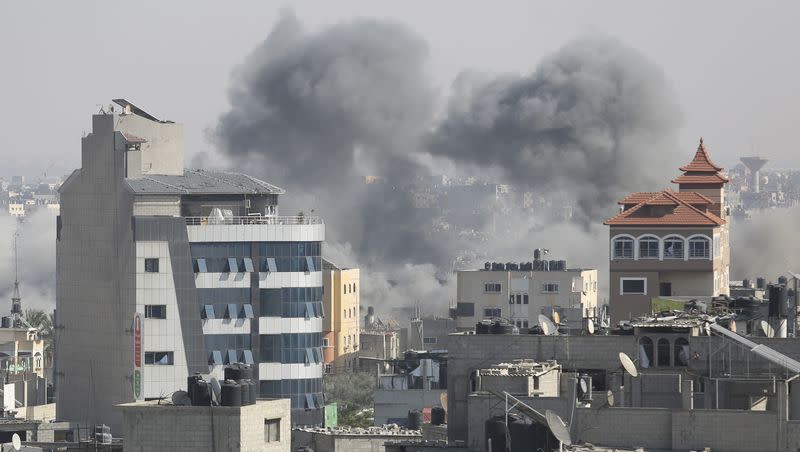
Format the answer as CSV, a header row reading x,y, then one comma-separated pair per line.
x,y
6,322
230,394
761,283
482,328
496,432
511,266
526,266
746,283
438,416
777,300
537,254
535,329
503,328
553,266
202,394
562,265
521,434
487,266
244,387
414,419
253,391
782,280
191,385
233,372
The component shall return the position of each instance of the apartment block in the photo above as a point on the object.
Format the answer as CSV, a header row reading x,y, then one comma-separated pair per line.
x,y
341,325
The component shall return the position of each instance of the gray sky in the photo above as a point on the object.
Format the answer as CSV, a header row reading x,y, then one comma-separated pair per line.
x,y
733,65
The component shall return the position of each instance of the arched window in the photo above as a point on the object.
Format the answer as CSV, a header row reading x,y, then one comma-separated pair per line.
x,y
645,352
681,352
673,247
623,248
648,247
699,247
664,353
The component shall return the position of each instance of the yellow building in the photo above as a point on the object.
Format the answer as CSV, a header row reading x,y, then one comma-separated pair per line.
x,y
341,326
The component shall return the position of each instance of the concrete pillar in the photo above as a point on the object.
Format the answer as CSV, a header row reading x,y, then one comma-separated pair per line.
x,y
687,394
636,391
794,400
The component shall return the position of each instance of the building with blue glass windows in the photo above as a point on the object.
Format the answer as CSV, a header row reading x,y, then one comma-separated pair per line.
x,y
163,272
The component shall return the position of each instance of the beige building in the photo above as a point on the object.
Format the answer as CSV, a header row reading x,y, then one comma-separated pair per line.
x,y
155,426
521,295
341,325
670,243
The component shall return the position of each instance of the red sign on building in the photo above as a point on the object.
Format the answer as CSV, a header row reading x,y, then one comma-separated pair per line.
x,y
137,340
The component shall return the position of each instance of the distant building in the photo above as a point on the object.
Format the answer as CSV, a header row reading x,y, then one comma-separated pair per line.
x,y
520,295
163,272
430,333
16,209
350,440
670,244
341,326
153,426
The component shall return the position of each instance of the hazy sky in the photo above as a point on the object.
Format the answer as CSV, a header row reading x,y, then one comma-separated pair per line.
x,y
733,65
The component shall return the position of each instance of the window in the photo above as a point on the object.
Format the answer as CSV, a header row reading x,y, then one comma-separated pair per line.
x,y
524,323
698,248
648,248
493,287
159,358
355,289
631,286
681,352
429,340
200,265
645,352
231,312
325,342
511,299
272,430
215,357
623,248
550,287
247,311
151,265
309,264
491,312
247,357
231,357
248,265
233,266
663,352
155,311
272,267
524,298
465,309
207,312
519,298
344,288
673,248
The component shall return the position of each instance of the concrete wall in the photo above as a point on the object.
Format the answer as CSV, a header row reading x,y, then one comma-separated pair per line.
x,y
150,427
344,442
396,404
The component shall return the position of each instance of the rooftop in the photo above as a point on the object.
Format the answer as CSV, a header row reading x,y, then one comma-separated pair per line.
x,y
683,212
202,182
386,430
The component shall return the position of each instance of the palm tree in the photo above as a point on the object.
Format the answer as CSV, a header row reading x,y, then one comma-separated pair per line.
x,y
43,322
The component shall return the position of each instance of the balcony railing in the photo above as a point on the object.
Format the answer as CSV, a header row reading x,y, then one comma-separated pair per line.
x,y
255,219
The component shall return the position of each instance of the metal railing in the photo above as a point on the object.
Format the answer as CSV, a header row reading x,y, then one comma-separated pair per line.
x,y
254,219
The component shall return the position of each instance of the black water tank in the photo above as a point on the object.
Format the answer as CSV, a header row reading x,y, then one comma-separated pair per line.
x,y
191,385
562,265
438,415
414,419
246,371
233,372
761,283
253,391
244,388
482,328
782,280
777,300
487,266
5,322
746,283
496,432
503,328
522,435
202,394
230,394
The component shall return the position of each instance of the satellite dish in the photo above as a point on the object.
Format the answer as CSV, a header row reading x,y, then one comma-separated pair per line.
x,y
181,398
732,325
215,390
590,326
584,386
556,317
15,442
548,328
610,398
558,428
628,364
767,329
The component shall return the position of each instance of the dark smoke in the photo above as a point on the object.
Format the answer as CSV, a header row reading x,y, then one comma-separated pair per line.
x,y
316,112
596,120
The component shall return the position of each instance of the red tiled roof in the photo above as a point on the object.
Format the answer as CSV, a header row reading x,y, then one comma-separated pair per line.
x,y
684,214
688,178
690,197
701,162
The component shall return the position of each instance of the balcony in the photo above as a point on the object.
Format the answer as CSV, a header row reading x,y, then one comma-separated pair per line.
x,y
254,219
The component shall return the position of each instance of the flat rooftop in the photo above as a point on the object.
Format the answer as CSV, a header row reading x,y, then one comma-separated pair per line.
x,y
202,182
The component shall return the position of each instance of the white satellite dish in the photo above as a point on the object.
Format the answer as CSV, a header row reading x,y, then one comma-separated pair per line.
x,y
584,386
767,329
181,398
610,398
556,317
16,443
628,365
590,326
216,390
558,427
548,327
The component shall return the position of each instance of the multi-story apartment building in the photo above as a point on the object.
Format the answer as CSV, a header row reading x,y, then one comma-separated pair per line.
x,y
163,272
670,243
341,326
520,293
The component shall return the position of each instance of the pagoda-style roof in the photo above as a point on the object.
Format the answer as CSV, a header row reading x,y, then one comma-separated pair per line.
x,y
701,170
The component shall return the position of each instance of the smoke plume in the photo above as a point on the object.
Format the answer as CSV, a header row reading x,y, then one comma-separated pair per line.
x,y
36,247
765,245
317,112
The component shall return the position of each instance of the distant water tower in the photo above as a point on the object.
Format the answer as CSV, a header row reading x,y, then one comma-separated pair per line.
x,y
754,164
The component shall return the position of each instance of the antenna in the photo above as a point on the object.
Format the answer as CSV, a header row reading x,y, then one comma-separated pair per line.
x,y
548,328
628,365
16,298
558,427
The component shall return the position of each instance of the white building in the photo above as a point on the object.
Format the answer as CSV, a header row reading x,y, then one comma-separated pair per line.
x,y
521,295
163,272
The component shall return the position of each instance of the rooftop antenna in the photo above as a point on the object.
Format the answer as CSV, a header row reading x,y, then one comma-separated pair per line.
x,y
16,298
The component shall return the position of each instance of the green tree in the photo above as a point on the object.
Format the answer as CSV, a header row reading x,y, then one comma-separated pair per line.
x,y
43,322
352,392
